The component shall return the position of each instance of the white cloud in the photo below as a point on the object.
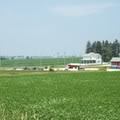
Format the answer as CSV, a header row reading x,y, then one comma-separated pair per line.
x,y
81,10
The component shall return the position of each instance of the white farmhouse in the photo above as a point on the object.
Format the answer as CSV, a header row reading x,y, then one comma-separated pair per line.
x,y
91,59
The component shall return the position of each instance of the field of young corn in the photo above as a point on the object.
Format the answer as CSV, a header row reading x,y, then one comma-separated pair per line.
x,y
59,96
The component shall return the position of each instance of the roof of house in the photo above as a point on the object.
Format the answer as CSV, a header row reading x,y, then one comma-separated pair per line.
x,y
92,54
115,59
74,64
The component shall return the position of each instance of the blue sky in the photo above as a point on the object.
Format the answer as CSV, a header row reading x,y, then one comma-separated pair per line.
x,y
48,27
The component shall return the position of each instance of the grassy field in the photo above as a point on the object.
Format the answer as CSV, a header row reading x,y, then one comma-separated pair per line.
x,y
39,62
59,96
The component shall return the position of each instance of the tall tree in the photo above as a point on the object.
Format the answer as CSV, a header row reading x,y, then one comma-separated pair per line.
x,y
98,47
115,48
94,47
88,47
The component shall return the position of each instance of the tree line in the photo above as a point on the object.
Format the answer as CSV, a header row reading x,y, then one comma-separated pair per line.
x,y
106,48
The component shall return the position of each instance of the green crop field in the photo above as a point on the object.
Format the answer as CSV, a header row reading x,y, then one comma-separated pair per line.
x,y
59,96
39,62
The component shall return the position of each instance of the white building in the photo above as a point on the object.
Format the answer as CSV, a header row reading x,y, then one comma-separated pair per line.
x,y
91,59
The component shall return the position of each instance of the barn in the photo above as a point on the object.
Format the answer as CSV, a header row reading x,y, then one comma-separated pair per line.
x,y
115,62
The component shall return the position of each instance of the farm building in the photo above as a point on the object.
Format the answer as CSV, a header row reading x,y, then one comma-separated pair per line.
x,y
115,62
73,67
91,59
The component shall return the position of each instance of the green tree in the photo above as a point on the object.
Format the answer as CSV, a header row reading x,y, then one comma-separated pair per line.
x,y
88,47
98,47
115,48
106,51
94,47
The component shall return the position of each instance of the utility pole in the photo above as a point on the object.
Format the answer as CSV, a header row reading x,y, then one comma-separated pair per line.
x,y
57,58
40,61
72,59
0,59
64,58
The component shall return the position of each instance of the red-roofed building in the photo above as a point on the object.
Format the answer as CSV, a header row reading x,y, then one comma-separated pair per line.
x,y
115,62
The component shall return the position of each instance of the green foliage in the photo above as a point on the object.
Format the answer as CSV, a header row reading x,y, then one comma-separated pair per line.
x,y
89,47
39,62
116,48
59,96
